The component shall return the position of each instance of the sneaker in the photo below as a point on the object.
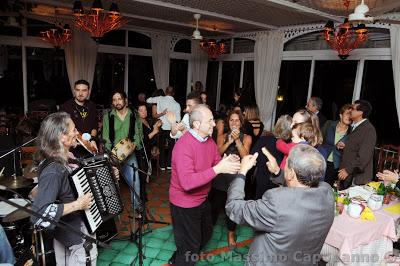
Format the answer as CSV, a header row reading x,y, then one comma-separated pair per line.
x,y
162,168
168,167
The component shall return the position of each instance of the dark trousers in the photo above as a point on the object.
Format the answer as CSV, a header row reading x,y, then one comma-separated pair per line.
x,y
218,200
192,230
331,174
166,146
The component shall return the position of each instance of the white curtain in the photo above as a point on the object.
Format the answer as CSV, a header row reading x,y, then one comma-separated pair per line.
x,y
267,63
80,57
395,48
198,63
160,44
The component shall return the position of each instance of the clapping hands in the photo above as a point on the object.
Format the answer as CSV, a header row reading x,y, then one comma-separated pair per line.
x,y
228,165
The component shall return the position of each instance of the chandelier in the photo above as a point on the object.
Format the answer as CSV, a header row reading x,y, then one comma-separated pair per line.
x,y
346,37
57,36
97,21
213,48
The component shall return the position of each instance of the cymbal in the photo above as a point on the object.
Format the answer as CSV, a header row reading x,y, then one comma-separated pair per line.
x,y
15,216
16,182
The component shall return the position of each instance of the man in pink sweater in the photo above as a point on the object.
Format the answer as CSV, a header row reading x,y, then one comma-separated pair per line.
x,y
195,163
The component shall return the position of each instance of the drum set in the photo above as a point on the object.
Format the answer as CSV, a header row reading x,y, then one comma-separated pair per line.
x,y
31,245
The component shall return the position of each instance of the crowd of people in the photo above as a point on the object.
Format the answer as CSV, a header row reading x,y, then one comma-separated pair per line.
x,y
226,165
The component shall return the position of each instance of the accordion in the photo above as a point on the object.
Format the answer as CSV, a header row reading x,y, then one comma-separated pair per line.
x,y
96,176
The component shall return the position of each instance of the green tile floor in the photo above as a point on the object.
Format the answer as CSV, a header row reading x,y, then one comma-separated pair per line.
x,y
159,245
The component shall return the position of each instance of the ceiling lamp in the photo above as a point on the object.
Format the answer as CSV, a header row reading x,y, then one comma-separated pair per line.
x,y
57,36
345,37
98,21
213,48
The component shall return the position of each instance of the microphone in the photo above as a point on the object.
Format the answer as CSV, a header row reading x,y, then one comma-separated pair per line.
x,y
86,136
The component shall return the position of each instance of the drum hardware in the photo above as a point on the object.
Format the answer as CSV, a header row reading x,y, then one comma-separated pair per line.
x,y
16,182
64,226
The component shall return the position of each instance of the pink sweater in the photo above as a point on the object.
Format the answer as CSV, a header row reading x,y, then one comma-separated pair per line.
x,y
192,171
285,148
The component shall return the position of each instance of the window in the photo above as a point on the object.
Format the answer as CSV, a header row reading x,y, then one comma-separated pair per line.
x,y
141,76
183,46
230,81
47,75
380,93
138,40
108,76
293,86
243,45
11,79
115,37
248,82
178,79
334,84
212,83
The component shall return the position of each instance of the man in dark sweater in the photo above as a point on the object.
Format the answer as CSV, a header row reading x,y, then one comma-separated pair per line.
x,y
83,113
55,198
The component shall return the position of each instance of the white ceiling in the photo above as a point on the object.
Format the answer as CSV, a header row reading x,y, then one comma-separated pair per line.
x,y
228,17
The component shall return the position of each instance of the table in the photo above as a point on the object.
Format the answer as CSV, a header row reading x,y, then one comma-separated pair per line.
x,y
355,242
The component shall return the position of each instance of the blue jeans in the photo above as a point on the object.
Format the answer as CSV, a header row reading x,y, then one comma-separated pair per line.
x,y
6,252
131,177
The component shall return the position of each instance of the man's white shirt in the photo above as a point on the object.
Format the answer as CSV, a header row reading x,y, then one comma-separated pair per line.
x,y
169,103
185,122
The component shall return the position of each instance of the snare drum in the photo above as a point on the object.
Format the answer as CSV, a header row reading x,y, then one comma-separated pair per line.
x,y
123,149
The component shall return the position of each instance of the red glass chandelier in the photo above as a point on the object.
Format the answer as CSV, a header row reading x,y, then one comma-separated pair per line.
x,y
213,48
346,37
57,36
98,21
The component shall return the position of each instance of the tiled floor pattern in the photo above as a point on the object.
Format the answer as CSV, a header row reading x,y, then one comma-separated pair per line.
x,y
158,242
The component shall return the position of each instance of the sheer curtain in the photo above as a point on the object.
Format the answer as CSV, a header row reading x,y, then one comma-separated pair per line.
x,y
198,63
160,44
267,63
80,57
395,48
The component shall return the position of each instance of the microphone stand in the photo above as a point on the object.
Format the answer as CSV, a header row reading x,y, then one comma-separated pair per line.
x,y
88,239
13,151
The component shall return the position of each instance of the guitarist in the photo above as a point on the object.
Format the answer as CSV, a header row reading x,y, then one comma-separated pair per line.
x,y
118,124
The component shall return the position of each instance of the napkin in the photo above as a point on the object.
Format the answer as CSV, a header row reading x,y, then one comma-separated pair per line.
x,y
367,215
374,185
393,209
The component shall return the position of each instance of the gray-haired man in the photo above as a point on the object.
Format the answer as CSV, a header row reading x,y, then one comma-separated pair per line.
x,y
291,222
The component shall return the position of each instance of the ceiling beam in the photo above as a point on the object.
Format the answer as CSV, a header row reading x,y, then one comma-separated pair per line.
x,y
302,9
205,12
189,25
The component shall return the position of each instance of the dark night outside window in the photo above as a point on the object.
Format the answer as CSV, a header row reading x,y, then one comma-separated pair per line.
x,y
141,76
212,83
230,81
293,86
334,84
11,82
138,40
178,79
380,93
108,76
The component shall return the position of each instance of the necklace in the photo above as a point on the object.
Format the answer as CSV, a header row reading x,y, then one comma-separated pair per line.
x,y
83,112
